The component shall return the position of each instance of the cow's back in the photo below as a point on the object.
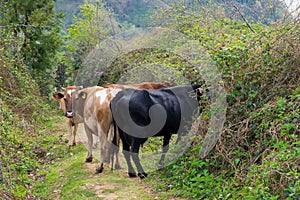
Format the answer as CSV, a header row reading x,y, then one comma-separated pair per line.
x,y
139,86
177,102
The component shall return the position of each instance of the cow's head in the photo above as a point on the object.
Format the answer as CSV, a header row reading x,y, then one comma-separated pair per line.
x,y
65,100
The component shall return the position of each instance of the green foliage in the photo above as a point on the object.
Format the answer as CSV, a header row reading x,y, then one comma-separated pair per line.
x,y
278,134
26,141
257,155
150,65
35,25
24,149
18,89
92,27
271,172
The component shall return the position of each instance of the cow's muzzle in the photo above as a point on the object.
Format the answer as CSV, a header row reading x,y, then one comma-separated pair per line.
x,y
69,114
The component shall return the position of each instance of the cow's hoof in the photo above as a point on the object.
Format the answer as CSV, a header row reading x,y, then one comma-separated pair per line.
x,y
132,175
99,170
142,175
90,159
71,145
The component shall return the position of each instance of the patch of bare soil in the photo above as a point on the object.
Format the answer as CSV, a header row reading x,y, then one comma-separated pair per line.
x,y
115,185
102,190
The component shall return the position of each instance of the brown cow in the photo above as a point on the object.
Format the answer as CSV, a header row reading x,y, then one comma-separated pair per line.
x,y
91,106
65,104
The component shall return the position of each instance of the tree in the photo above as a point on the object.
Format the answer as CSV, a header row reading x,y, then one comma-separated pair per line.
x,y
36,23
95,24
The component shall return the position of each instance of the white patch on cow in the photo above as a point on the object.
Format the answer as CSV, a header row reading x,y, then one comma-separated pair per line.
x,y
70,91
115,92
102,94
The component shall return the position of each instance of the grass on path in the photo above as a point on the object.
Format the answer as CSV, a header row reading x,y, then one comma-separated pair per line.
x,y
74,179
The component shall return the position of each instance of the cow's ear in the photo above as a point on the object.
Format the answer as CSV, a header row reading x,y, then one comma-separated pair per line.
x,y
57,96
82,95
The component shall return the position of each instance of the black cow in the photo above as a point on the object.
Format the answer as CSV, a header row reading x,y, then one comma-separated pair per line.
x,y
139,114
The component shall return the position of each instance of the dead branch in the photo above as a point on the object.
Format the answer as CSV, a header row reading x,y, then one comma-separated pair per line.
x,y
244,19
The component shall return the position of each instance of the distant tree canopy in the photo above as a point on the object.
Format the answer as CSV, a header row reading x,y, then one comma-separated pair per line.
x,y
136,12
263,11
139,12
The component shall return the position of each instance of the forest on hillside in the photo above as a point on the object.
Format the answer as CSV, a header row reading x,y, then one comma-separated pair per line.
x,y
250,49
139,13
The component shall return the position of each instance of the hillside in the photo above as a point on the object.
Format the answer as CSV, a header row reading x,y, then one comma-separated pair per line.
x,y
141,13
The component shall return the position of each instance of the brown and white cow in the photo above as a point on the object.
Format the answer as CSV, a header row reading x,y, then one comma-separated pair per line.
x,y
65,104
92,107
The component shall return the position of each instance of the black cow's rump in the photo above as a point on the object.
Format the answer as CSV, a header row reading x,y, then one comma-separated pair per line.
x,y
142,100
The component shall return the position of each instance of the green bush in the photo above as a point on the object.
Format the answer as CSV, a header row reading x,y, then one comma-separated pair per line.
x,y
26,142
25,151
257,155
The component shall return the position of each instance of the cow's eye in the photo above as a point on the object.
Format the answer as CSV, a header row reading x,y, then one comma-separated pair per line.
x,y
65,99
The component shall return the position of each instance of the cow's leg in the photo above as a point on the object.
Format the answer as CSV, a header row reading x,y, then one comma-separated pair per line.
x,y
103,151
69,125
74,134
116,151
164,150
114,154
115,147
135,156
117,164
126,153
89,136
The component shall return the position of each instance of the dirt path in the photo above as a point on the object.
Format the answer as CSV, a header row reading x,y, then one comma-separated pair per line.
x,y
72,178
112,185
75,179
